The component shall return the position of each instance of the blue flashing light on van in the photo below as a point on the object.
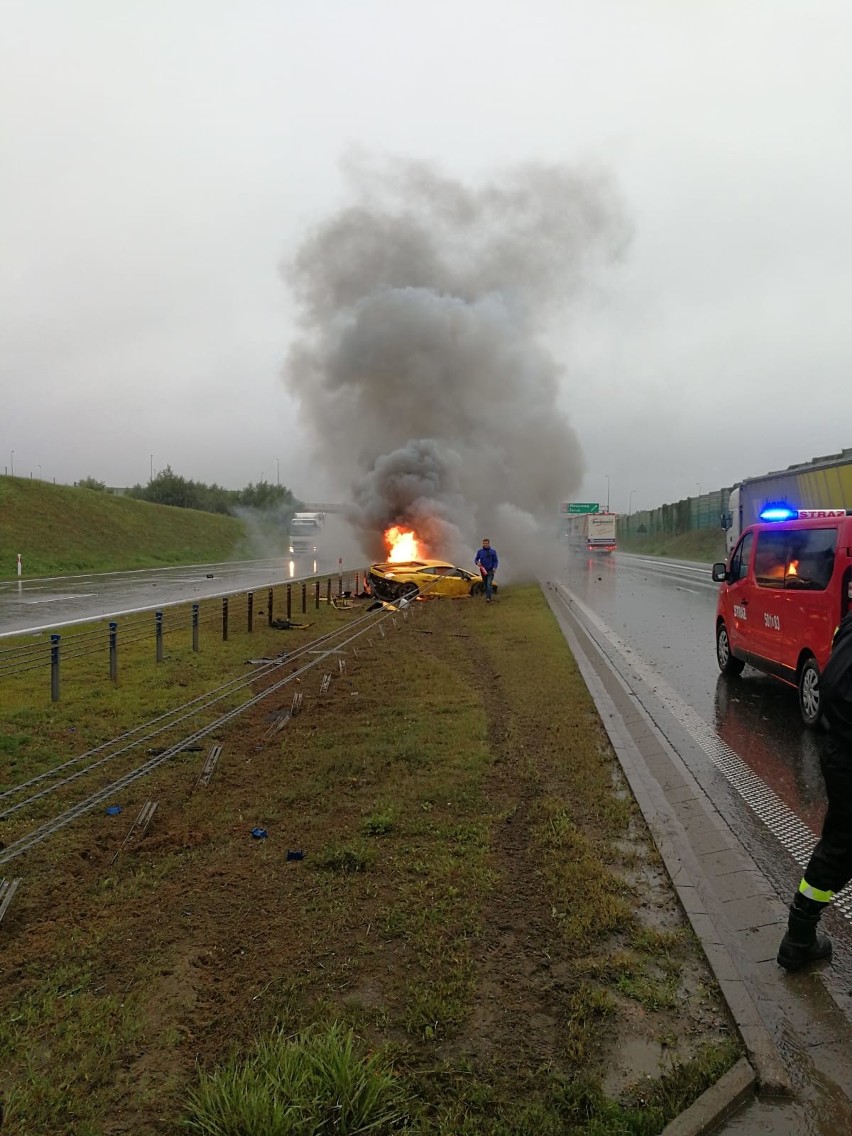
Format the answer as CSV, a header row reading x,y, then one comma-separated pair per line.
x,y
778,512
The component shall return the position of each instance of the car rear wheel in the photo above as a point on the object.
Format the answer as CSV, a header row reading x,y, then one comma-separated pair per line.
x,y
729,664
809,692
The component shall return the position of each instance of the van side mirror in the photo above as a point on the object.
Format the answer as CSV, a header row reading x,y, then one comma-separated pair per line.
x,y
720,572
726,520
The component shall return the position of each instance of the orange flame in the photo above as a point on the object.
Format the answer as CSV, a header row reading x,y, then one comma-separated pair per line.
x,y
402,544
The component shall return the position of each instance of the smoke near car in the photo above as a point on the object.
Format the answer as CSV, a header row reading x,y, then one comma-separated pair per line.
x,y
422,370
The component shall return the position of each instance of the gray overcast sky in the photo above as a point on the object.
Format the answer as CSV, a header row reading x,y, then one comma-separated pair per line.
x,y
162,159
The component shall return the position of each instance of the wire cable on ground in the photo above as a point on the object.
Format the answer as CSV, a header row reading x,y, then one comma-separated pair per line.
x,y
54,824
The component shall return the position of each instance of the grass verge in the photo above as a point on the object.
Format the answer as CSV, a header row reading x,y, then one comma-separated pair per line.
x,y
702,545
475,935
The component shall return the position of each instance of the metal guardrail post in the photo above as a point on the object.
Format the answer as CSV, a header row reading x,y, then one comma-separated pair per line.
x,y
316,594
250,611
54,667
113,651
158,617
195,627
289,600
269,599
224,619
304,598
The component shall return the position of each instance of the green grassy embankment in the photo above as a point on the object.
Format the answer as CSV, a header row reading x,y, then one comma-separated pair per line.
x,y
702,545
63,529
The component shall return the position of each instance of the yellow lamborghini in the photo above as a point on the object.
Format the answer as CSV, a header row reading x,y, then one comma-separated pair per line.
x,y
391,580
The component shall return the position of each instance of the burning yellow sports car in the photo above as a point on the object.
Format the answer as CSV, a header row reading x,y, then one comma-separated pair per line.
x,y
394,579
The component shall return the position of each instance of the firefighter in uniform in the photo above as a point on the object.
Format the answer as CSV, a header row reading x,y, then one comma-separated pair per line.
x,y
830,866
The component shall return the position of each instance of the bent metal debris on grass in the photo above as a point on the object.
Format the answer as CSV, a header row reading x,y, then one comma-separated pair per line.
x,y
477,909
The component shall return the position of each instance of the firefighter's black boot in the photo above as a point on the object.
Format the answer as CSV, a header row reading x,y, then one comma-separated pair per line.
x,y
803,944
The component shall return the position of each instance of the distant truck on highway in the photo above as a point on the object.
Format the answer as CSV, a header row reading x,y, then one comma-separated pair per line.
x,y
590,532
823,483
304,533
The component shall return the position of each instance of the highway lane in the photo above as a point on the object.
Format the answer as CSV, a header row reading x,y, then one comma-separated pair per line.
x,y
50,603
664,614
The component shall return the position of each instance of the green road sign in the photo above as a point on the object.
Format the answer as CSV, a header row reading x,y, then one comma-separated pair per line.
x,y
580,507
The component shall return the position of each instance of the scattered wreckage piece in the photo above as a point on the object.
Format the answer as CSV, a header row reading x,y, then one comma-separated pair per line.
x,y
278,723
138,829
281,720
7,890
209,766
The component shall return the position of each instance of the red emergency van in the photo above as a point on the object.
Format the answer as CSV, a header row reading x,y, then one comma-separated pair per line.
x,y
784,590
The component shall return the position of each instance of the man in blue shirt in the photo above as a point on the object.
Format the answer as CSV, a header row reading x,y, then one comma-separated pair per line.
x,y
486,558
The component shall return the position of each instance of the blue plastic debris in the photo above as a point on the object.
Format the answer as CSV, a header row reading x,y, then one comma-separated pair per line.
x,y
259,833
113,810
295,854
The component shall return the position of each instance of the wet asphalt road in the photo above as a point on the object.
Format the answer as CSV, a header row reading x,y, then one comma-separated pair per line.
x,y
48,604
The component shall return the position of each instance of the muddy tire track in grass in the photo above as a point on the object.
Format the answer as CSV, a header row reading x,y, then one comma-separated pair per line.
x,y
517,1020
529,970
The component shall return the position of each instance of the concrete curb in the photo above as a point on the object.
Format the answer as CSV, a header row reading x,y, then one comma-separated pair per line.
x,y
764,1066
733,1089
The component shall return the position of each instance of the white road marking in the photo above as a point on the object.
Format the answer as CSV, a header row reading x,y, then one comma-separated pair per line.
x,y
58,599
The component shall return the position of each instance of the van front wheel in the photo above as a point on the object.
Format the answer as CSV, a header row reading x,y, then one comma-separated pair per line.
x,y
728,663
809,692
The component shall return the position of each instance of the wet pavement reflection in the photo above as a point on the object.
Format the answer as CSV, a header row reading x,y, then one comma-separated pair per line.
x,y
665,614
49,603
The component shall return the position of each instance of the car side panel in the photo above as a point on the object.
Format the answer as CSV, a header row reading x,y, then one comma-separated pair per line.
x,y
733,607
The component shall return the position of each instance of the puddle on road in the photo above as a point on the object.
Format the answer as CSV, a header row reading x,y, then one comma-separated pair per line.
x,y
779,1118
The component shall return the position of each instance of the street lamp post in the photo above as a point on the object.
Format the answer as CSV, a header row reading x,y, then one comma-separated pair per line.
x,y
606,475
12,463
277,472
630,503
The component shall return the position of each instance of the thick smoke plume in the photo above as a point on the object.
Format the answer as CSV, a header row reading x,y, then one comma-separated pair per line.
x,y
420,367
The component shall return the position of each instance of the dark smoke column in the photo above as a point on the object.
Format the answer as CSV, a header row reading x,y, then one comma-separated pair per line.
x,y
419,370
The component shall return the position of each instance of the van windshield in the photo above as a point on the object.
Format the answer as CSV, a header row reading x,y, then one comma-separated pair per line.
x,y
801,559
